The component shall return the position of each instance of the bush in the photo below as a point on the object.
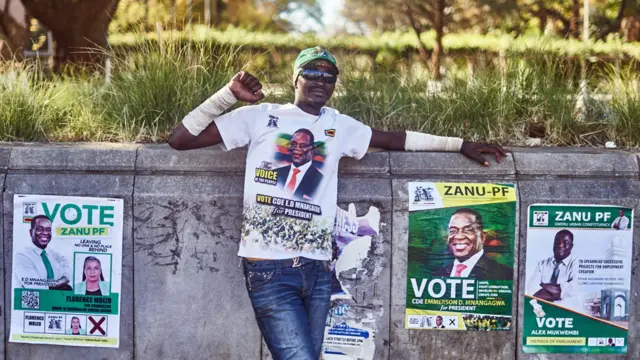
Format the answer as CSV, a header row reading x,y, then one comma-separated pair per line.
x,y
152,89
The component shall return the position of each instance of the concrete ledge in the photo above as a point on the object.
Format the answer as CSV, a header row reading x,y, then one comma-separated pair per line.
x,y
5,154
70,184
162,158
189,186
451,164
578,190
74,157
369,189
521,163
376,163
574,162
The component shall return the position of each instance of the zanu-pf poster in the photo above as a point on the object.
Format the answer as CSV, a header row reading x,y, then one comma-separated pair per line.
x,y
66,270
578,279
460,256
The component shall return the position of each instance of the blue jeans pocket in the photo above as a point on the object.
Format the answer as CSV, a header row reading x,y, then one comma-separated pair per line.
x,y
257,279
257,275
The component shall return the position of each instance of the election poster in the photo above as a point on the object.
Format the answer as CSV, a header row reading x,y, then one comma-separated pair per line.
x,y
66,270
578,279
460,256
349,333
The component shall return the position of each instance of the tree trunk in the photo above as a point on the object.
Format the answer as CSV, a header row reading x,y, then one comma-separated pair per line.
x,y
207,12
189,11
574,28
437,46
554,14
631,22
81,49
617,23
79,29
542,16
631,28
146,16
217,7
15,33
173,14
424,54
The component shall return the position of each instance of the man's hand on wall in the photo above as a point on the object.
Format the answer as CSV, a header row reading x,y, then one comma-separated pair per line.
x,y
472,150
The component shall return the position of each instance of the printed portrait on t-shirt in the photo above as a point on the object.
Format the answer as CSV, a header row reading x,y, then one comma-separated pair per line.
x,y
304,157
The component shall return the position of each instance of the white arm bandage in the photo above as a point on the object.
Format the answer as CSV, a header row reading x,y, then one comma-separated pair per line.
x,y
198,119
424,142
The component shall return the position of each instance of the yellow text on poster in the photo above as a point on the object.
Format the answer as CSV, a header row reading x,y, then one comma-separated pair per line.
x,y
82,231
462,194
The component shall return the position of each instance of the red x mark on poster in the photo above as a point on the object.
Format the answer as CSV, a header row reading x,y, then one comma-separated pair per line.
x,y
97,325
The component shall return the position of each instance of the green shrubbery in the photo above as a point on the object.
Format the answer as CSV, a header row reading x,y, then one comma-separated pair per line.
x,y
387,43
152,89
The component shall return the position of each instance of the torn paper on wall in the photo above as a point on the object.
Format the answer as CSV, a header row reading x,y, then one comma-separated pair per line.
x,y
352,241
350,330
346,338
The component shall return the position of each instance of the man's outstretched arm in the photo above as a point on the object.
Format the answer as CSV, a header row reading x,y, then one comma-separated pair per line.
x,y
415,141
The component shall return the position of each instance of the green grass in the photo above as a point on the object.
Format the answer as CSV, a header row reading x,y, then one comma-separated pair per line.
x,y
153,88
388,42
489,108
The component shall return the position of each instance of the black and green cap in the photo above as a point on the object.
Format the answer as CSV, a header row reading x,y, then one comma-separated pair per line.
x,y
315,53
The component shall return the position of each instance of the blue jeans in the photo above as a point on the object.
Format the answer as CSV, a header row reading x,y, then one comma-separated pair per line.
x,y
290,299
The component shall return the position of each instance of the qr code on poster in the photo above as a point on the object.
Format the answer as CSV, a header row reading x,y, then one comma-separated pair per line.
x,y
30,300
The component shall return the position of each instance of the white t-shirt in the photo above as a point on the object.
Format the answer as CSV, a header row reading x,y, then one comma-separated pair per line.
x,y
290,193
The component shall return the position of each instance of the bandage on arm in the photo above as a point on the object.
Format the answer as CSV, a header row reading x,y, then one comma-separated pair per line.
x,y
198,119
417,141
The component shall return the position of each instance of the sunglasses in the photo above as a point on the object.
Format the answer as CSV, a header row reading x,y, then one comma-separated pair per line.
x,y
317,75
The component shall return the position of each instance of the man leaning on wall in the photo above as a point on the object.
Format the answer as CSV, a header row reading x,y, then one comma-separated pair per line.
x,y
285,242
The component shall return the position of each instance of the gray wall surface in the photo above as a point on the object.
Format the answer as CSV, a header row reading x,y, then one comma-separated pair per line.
x,y
183,291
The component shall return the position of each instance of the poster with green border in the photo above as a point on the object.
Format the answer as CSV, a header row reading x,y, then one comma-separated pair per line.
x,y
578,279
67,270
460,256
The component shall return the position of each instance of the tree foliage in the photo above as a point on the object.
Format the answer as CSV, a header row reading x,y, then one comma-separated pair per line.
x,y
562,18
133,15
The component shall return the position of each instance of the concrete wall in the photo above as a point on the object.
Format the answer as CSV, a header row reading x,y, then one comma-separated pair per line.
x,y
183,291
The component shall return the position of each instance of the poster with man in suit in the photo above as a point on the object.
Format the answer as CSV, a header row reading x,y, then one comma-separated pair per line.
x,y
578,269
460,255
